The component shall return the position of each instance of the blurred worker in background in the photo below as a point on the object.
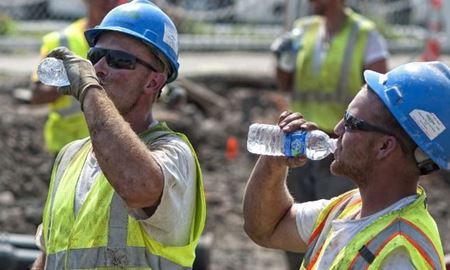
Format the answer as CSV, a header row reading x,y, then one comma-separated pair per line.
x,y
395,130
130,195
320,63
65,121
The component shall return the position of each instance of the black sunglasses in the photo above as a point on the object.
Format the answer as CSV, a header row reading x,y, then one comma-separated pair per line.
x,y
117,59
352,123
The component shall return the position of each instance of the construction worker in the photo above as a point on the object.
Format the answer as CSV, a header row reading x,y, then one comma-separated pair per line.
x,y
130,195
320,64
394,131
65,121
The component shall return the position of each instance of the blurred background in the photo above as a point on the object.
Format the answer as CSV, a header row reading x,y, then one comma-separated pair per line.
x,y
227,81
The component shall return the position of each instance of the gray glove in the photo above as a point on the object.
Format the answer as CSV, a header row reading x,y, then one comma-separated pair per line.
x,y
281,44
80,72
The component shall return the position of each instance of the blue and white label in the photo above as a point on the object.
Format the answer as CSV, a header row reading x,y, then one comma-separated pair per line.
x,y
428,122
294,144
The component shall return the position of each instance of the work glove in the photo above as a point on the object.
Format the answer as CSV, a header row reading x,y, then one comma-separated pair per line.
x,y
80,73
286,48
281,44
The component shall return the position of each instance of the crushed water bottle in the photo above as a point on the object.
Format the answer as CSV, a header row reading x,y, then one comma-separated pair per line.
x,y
51,71
270,140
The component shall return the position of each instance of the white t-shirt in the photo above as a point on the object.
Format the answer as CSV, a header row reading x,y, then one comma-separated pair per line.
x,y
344,230
171,222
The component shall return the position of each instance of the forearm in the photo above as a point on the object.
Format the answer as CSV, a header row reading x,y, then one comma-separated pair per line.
x,y
284,80
266,200
39,263
41,93
123,157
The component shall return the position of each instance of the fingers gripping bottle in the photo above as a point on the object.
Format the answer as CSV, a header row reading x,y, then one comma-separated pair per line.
x,y
51,71
270,140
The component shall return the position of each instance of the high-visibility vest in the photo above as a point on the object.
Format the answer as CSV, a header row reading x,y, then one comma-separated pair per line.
x,y
65,121
411,227
323,96
102,235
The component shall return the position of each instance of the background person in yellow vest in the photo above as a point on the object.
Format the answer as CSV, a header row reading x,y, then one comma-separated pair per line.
x,y
65,121
131,195
394,131
320,64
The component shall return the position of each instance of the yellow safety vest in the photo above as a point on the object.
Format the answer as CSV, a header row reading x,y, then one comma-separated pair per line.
x,y
411,227
102,235
65,121
322,97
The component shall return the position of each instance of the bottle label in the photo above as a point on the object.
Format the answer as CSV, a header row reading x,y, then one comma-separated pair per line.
x,y
294,144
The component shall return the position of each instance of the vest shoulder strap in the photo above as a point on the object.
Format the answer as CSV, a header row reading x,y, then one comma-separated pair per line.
x,y
64,157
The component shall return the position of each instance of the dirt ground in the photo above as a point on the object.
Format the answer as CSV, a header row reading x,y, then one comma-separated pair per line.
x,y
210,123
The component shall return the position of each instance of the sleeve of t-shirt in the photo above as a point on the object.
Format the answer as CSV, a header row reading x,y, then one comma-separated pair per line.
x,y
376,48
171,222
306,215
39,238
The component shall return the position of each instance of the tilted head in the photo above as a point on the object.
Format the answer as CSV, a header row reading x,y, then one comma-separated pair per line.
x,y
144,21
418,96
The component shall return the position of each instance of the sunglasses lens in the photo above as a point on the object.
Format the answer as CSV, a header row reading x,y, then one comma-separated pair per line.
x,y
95,54
115,59
350,122
121,60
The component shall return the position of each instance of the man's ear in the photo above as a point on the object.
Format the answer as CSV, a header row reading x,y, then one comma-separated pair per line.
x,y
155,83
386,146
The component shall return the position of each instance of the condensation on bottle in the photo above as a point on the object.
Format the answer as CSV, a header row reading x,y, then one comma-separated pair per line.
x,y
270,140
51,71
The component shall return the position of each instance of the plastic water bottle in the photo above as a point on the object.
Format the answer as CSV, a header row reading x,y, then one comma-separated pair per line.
x,y
51,71
270,140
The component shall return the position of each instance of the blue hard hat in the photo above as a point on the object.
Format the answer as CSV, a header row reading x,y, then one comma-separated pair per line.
x,y
145,21
418,96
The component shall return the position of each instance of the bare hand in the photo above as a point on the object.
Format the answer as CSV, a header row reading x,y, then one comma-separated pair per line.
x,y
290,122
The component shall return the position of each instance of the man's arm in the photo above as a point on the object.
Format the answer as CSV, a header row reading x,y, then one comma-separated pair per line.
x,y
39,263
41,93
284,80
376,53
124,159
378,66
269,218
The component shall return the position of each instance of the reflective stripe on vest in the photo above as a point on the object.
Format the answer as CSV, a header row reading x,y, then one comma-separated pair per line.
x,y
408,230
73,108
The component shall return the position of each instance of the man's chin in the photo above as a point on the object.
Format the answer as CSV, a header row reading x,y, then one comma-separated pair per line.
x,y
336,168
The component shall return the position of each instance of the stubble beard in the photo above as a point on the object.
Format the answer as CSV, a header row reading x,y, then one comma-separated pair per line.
x,y
356,169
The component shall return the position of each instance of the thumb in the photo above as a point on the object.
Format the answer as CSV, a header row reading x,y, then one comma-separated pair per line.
x,y
60,53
